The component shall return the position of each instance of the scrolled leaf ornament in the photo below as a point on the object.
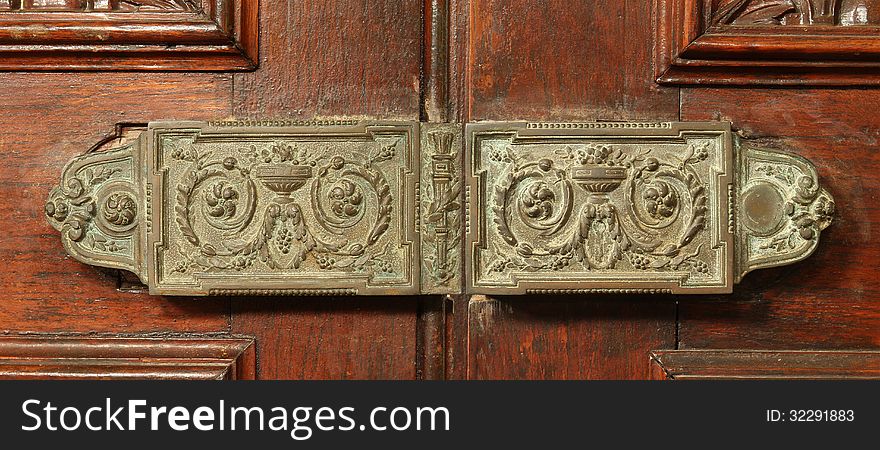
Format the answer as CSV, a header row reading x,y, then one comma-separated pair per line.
x,y
96,208
170,5
779,12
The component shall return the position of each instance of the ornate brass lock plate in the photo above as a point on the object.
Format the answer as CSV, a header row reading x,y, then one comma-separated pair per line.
x,y
601,207
387,208
196,209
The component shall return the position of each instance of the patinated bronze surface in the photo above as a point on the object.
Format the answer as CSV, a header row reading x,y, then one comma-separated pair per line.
x,y
346,208
632,207
219,209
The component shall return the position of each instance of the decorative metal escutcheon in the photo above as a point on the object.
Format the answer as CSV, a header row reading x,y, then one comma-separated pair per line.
x,y
384,208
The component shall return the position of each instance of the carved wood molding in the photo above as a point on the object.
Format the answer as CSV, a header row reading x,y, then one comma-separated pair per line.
x,y
767,42
176,35
764,364
54,357
347,207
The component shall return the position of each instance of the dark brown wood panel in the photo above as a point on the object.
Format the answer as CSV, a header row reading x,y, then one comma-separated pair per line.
x,y
392,59
765,364
564,60
556,60
357,58
332,58
567,338
54,118
829,300
331,338
54,357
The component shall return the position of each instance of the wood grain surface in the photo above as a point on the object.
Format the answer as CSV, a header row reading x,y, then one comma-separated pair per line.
x,y
54,117
332,58
765,364
497,60
830,300
566,338
329,58
563,60
330,338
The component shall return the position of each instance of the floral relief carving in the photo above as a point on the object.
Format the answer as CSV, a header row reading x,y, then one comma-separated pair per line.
x,y
96,209
807,210
120,209
101,5
225,189
794,12
181,5
602,235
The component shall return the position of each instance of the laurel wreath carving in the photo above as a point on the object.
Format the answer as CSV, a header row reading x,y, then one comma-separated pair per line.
x,y
502,197
185,189
698,199
383,192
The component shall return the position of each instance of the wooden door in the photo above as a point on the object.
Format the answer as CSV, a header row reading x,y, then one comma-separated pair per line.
x,y
809,87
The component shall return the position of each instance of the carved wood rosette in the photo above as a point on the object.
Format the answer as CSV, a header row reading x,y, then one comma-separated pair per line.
x,y
383,208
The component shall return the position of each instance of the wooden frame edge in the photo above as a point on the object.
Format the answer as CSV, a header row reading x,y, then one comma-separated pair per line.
x,y
687,53
726,364
217,41
77,357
